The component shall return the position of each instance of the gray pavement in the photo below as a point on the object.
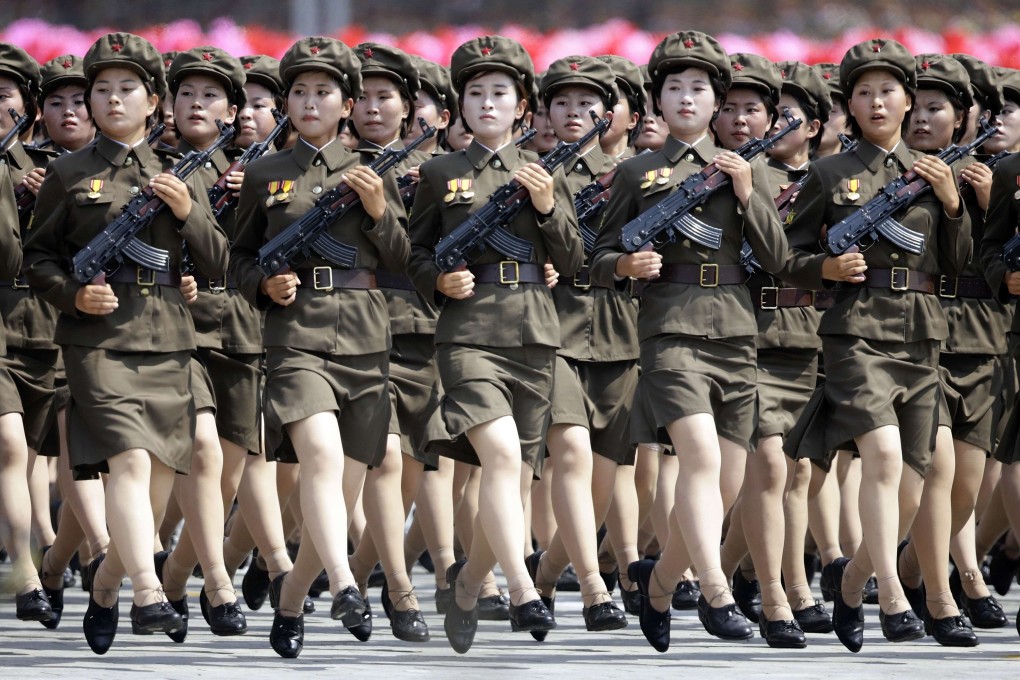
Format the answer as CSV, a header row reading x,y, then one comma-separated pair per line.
x,y
27,650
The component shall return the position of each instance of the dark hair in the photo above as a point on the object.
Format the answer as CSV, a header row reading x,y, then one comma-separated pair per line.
x,y
810,113
231,101
771,107
406,121
718,88
522,94
440,134
957,103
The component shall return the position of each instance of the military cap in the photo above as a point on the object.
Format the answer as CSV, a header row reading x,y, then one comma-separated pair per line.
x,y
212,62
125,50
168,58
435,80
589,72
829,73
803,81
258,68
944,73
391,63
322,54
59,71
1009,82
983,83
492,53
757,73
683,50
876,54
19,65
629,80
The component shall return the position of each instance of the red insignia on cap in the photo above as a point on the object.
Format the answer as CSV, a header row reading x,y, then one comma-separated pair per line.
x,y
367,52
737,66
688,43
876,46
314,50
167,62
207,56
574,66
116,47
925,66
486,51
783,74
67,63
827,75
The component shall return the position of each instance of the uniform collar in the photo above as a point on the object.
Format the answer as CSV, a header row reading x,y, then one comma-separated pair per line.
x,y
219,158
593,161
17,156
785,167
332,154
479,156
373,149
703,149
118,154
875,157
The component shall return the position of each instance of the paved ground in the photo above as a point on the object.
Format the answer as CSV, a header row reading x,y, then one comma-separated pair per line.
x,y
27,650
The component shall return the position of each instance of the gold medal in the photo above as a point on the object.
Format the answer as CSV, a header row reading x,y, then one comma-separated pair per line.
x,y
270,201
93,194
449,197
853,196
661,180
1017,195
95,186
282,196
852,186
468,194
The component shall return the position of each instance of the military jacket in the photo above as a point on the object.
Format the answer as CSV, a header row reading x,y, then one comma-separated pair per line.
x,y
720,312
837,186
82,193
1001,222
10,238
452,187
279,189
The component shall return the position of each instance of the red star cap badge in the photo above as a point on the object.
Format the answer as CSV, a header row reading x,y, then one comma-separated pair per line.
x,y
314,50
876,46
67,63
116,47
737,66
688,43
207,56
367,52
925,66
486,51
574,66
827,75
783,74
249,65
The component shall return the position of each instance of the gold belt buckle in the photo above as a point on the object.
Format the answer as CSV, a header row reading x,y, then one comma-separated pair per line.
x,y
705,268
19,283
767,291
315,278
896,271
217,285
582,279
145,282
943,291
514,278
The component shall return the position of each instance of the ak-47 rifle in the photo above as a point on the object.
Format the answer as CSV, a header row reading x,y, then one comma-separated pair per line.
x,y
966,188
588,204
409,185
107,249
874,219
847,143
487,225
223,199
309,234
670,219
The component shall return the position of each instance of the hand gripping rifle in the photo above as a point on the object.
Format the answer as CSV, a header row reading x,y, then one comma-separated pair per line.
x,y
874,219
487,225
308,233
223,199
671,218
107,249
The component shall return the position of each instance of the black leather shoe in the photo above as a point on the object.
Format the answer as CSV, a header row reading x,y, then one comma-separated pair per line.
x,y
847,621
255,586
363,630
56,599
287,636
88,574
748,596
631,600
686,595
159,561
782,634
227,619
275,588
654,624
610,578
869,594
983,612
1002,570
425,560
568,581
916,598
604,616
181,607
951,631
158,617
309,606
387,606
34,606
956,588
409,626
902,627
815,619
100,626
531,616
347,607
203,604
320,585
443,597
493,608
532,562
460,625
726,623
826,582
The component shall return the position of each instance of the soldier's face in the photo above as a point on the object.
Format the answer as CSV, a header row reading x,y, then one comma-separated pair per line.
x,y
933,121
121,105
66,118
545,136
379,111
202,100
1008,122
256,118
742,117
795,142
688,103
490,106
879,104
569,112
10,98
426,107
316,104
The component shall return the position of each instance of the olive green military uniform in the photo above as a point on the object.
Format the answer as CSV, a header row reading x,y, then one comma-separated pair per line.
x,y
29,366
631,84
596,366
10,248
496,349
128,370
328,351
697,348
880,344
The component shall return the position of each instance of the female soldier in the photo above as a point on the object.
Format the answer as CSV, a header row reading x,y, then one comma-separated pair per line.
x,y
695,326
126,336
618,141
880,338
325,398
497,331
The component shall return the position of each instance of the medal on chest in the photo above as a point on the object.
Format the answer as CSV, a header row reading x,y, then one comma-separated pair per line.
x,y
460,186
852,185
95,187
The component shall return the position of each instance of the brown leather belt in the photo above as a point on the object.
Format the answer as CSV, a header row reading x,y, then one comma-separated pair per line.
x,y
386,279
330,278
215,285
900,279
508,273
824,299
19,283
704,275
964,287
141,276
771,297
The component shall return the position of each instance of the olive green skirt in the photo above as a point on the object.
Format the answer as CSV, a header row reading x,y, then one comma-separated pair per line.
x,y
27,386
236,384
786,380
414,395
970,385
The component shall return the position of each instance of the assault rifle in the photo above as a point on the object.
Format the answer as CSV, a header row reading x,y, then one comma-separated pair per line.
x,y
107,249
308,233
671,218
848,144
588,204
487,225
874,219
223,199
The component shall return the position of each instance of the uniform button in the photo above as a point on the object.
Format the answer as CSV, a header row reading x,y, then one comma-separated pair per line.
x,y
133,191
145,292
698,209
497,164
316,190
894,256
689,158
579,167
889,162
208,164
127,161
318,161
